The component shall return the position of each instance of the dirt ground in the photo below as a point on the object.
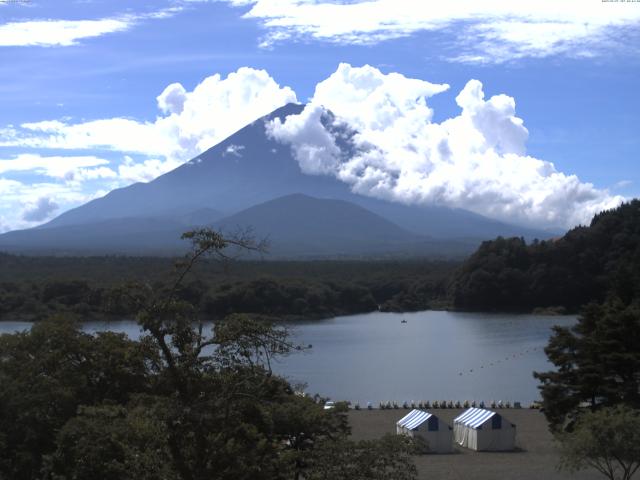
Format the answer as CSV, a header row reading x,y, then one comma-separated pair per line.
x,y
535,457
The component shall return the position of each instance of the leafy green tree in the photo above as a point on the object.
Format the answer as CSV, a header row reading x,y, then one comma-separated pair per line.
x,y
387,458
111,442
597,363
587,264
46,374
226,414
607,440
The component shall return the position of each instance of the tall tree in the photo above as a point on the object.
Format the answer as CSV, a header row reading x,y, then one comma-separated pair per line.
x,y
607,440
597,363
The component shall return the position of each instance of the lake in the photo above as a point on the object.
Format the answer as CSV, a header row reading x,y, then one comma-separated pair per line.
x,y
435,355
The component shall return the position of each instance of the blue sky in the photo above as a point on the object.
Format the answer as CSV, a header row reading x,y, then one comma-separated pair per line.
x,y
571,68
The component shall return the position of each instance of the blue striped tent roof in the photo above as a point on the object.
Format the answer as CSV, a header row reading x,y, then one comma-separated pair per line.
x,y
414,419
474,417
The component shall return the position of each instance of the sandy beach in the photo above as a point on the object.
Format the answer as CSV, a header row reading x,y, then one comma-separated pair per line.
x,y
535,458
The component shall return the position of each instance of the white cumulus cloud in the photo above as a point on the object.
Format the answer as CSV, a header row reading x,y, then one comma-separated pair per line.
x,y
172,99
375,132
191,121
130,171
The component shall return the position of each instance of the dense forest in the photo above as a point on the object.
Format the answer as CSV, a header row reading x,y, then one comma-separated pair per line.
x,y
586,265
95,287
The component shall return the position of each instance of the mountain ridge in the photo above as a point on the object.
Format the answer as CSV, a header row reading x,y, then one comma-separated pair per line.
x,y
297,226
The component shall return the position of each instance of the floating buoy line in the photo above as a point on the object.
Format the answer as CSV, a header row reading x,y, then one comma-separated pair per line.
x,y
508,358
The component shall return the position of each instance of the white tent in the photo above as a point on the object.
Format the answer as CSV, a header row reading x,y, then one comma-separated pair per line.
x,y
480,429
418,423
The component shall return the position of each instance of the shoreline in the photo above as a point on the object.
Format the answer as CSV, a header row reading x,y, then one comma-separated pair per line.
x,y
294,319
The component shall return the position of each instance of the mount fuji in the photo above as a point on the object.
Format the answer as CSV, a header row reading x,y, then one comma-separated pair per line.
x,y
251,180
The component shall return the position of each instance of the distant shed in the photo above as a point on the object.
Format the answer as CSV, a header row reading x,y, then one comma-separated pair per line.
x,y
480,429
436,433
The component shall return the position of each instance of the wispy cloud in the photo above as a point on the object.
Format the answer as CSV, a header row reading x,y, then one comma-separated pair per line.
x,y
623,184
15,3
71,168
47,33
485,31
64,33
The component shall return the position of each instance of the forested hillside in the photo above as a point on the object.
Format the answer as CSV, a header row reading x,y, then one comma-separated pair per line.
x,y
587,264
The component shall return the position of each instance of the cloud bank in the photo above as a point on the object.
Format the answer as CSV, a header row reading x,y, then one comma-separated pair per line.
x,y
375,132
487,31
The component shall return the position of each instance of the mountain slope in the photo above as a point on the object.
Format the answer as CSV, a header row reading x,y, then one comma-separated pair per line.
x,y
137,236
302,225
244,170
295,225
259,169
446,223
250,168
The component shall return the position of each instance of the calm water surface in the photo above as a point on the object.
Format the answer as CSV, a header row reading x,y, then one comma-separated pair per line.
x,y
434,356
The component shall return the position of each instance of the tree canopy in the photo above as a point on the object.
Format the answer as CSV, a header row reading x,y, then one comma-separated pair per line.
x,y
583,266
597,363
32,288
607,440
